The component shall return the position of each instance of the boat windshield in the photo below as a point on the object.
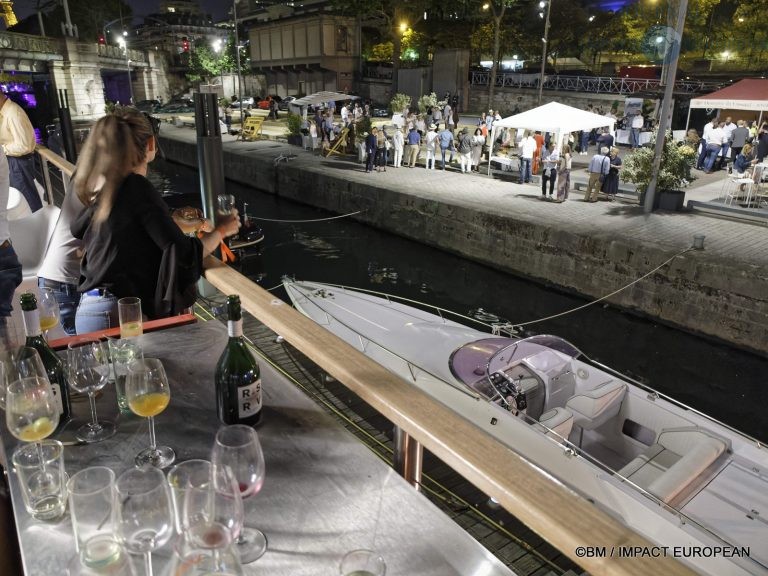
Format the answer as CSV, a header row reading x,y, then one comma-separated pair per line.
x,y
527,347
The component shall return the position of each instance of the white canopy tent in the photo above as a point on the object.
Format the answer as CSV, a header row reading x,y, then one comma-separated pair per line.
x,y
321,98
552,117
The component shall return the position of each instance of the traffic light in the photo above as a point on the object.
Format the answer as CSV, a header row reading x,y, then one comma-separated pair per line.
x,y
185,45
102,40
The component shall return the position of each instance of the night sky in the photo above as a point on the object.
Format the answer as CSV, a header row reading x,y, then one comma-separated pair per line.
x,y
217,8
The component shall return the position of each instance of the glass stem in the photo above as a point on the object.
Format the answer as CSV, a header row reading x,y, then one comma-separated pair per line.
x,y
152,441
40,457
94,419
148,563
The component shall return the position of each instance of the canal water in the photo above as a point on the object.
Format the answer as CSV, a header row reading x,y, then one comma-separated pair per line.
x,y
714,378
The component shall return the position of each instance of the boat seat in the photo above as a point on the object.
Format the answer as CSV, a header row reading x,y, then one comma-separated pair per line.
x,y
594,407
557,420
30,237
677,459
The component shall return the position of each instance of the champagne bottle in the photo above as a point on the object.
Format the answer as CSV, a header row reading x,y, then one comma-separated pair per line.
x,y
54,367
238,378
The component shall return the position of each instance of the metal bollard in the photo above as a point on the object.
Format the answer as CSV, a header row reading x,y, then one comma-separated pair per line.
x,y
408,458
698,241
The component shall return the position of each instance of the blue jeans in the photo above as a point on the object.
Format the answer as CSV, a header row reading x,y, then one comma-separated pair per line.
x,y
97,311
67,297
634,137
525,170
702,155
712,151
442,153
584,144
10,278
21,171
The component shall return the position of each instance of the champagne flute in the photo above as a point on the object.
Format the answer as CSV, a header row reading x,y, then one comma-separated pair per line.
x,y
88,371
148,394
142,518
225,203
237,448
49,310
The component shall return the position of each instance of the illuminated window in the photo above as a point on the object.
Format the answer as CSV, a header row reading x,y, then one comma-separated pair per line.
x,y
342,37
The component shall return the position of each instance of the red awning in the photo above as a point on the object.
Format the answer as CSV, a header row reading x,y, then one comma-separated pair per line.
x,y
748,94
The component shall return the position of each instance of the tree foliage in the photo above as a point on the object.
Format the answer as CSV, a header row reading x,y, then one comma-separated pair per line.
x,y
205,63
89,17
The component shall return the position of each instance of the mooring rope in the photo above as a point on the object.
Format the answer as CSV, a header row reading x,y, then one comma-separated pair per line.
x,y
516,325
303,221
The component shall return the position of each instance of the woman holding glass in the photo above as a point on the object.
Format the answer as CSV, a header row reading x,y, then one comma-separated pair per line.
x,y
131,241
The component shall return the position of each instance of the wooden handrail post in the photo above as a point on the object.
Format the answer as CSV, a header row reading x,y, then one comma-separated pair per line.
x,y
408,457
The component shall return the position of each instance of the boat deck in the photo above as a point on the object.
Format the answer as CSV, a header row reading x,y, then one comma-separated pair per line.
x,y
512,542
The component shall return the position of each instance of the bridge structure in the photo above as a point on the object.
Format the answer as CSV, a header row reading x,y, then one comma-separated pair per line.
x,y
91,72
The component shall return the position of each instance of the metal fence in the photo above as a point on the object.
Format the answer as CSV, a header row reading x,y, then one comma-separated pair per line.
x,y
594,84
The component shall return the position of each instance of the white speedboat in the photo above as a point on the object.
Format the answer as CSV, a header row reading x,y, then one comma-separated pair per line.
x,y
678,477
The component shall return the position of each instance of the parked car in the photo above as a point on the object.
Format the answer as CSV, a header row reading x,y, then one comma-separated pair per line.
x,y
283,104
380,111
176,106
147,105
246,101
264,104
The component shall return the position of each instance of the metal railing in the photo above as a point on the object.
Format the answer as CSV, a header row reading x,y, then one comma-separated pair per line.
x,y
54,173
596,84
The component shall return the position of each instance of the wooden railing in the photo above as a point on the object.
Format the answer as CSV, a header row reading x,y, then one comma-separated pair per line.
x,y
559,515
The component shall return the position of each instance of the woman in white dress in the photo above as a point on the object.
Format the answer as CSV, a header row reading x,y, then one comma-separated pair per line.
x,y
398,142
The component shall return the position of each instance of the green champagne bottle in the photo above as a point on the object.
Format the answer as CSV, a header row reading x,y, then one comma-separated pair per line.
x,y
238,378
54,367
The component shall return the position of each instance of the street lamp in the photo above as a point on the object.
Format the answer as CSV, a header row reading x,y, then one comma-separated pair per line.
x,y
124,47
544,40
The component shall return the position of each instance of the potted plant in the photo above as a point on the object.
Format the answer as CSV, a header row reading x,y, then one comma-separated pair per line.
x,y
427,102
674,171
294,129
400,103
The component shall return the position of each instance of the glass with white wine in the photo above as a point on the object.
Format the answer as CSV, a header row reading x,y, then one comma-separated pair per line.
x,y
148,394
49,311
131,319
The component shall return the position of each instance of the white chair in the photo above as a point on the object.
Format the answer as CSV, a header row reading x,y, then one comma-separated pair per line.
x,y
31,236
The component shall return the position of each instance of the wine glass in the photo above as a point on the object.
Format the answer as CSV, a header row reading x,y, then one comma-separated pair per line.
x,y
30,411
148,394
237,448
88,371
31,414
197,554
212,498
49,310
29,364
142,518
225,203
9,372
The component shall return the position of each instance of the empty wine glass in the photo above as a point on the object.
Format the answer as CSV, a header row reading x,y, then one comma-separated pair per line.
x,y
225,203
237,448
9,372
88,371
29,363
148,394
142,518
196,553
49,310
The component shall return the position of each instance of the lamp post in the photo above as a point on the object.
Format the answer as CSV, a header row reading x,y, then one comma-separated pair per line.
x,y
544,41
124,46
237,57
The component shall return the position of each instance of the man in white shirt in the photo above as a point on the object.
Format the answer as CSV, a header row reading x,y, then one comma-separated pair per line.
x,y
636,127
345,115
728,128
708,127
715,143
430,140
527,150
10,268
17,138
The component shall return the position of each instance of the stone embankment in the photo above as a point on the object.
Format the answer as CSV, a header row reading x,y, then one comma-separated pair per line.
x,y
593,249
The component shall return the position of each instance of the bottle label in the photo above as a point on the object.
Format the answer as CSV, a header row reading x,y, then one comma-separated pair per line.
x,y
56,391
31,322
249,399
235,328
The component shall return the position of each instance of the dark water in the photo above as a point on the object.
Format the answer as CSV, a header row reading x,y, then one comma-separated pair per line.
x,y
714,378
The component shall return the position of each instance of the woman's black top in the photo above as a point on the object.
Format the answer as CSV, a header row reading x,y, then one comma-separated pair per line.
x,y
124,253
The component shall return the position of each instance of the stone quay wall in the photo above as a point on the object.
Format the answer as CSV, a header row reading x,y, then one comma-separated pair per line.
x,y
700,291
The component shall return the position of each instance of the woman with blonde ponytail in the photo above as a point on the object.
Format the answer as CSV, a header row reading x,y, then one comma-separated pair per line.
x,y
130,238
